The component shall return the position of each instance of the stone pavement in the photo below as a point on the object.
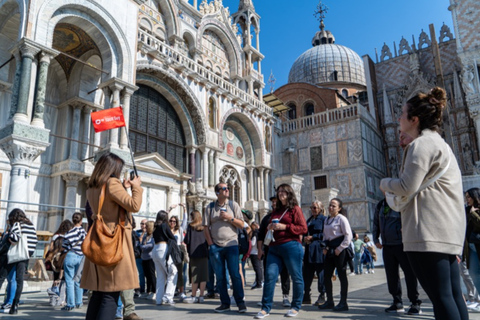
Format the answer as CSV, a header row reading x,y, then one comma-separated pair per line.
x,y
367,298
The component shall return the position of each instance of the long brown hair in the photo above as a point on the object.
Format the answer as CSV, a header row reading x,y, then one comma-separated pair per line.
x,y
109,165
291,198
196,223
17,215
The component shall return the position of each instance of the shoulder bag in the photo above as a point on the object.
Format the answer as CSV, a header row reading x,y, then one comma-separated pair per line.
x,y
102,246
18,251
398,203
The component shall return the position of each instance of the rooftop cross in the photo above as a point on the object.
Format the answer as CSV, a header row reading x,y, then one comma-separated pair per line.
x,y
320,12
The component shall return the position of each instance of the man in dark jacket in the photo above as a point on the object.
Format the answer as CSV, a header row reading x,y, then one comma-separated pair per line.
x,y
387,224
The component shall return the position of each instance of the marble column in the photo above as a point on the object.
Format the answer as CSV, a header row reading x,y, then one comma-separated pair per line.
x,y
115,103
211,169
39,108
16,84
267,184
262,184
86,131
205,169
169,191
251,185
71,180
28,54
75,133
126,114
216,167
21,157
192,162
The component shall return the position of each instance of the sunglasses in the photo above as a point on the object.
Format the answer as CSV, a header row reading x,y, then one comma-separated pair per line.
x,y
224,188
173,221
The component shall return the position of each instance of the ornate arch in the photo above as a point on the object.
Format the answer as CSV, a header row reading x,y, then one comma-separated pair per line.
x,y
180,96
251,128
12,7
98,23
228,39
171,19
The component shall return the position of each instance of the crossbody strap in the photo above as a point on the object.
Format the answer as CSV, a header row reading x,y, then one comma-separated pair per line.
x,y
101,200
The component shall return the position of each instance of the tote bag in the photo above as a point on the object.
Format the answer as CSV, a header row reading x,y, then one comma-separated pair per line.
x,y
18,251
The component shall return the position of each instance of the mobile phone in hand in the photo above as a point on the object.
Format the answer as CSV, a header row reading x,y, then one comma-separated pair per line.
x,y
132,175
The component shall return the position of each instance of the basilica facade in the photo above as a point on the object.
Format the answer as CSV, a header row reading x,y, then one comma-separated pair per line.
x,y
188,76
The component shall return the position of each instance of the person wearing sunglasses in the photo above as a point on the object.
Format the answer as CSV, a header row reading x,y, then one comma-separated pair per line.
x,y
222,218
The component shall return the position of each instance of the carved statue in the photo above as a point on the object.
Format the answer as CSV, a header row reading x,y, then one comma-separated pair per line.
x,y
467,81
191,188
203,7
199,187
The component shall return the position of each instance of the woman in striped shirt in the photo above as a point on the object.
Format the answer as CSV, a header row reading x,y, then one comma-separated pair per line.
x,y
72,244
20,225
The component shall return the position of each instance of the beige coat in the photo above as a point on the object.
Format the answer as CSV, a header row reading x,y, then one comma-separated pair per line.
x,y
124,275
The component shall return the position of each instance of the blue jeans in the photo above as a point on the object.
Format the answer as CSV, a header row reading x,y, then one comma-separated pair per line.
x,y
141,274
357,261
290,255
229,255
70,268
11,286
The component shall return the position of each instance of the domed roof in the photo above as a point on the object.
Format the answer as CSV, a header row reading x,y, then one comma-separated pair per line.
x,y
327,62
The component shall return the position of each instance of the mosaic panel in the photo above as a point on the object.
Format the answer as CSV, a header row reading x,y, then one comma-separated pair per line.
x,y
315,158
354,151
342,153
330,158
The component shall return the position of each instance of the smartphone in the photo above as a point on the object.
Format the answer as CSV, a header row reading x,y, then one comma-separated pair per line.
x,y
132,175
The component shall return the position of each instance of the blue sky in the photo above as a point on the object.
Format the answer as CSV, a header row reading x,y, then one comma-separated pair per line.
x,y
288,26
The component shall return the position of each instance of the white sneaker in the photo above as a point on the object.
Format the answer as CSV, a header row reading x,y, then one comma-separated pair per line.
x,y
200,300
352,274
190,300
291,313
261,314
372,271
475,309
471,304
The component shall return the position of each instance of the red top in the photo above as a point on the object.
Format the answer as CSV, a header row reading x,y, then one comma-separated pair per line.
x,y
296,226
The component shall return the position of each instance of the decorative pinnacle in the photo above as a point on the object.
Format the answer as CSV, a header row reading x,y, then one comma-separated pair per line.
x,y
271,81
320,12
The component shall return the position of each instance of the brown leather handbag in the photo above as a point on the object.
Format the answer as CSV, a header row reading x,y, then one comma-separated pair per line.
x,y
102,246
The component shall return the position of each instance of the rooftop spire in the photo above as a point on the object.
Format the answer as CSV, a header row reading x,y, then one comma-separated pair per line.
x,y
323,36
245,4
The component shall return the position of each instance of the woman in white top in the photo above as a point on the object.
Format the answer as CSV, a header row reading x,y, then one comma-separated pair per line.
x,y
337,236
433,220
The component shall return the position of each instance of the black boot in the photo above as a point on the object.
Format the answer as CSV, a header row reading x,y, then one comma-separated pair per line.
x,y
342,306
327,305
14,307
306,299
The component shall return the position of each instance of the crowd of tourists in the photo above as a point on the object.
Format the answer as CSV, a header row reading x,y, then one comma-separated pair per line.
x,y
421,226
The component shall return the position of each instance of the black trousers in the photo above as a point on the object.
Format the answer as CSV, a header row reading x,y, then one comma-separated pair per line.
x,y
284,276
149,272
339,262
102,305
257,267
394,257
309,270
20,266
439,275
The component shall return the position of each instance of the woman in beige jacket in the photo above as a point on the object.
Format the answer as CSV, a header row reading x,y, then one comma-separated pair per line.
x,y
107,282
433,221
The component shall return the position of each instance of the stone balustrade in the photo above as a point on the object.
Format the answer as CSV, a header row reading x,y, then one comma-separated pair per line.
x,y
181,62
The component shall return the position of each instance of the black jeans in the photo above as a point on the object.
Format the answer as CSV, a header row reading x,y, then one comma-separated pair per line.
x,y
20,266
439,275
149,272
257,267
331,262
393,257
309,270
102,305
284,276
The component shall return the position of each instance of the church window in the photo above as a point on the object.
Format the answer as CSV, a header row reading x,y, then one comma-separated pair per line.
x,y
292,113
309,109
345,93
316,162
156,127
211,112
320,182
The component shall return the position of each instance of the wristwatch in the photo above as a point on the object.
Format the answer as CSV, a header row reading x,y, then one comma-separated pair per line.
x,y
232,219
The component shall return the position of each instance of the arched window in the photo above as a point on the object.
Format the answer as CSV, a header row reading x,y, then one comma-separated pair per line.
x,y
230,176
211,112
155,127
309,109
345,93
292,113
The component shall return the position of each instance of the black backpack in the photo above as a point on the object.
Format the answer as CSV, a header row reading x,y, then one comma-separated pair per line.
x,y
174,252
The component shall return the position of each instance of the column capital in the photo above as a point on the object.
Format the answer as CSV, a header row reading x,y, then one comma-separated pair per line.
x,y
21,153
72,179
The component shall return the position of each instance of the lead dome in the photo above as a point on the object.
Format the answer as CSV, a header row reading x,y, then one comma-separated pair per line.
x,y
327,62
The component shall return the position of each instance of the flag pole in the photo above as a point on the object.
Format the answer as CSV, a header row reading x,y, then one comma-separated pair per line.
x,y
131,153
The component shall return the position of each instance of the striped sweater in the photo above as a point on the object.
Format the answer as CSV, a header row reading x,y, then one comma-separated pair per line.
x,y
28,230
73,240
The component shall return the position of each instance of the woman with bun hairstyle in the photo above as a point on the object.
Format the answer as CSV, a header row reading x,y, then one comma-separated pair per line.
x,y
433,220
107,282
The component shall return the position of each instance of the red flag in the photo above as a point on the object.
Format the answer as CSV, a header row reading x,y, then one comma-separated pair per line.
x,y
108,119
